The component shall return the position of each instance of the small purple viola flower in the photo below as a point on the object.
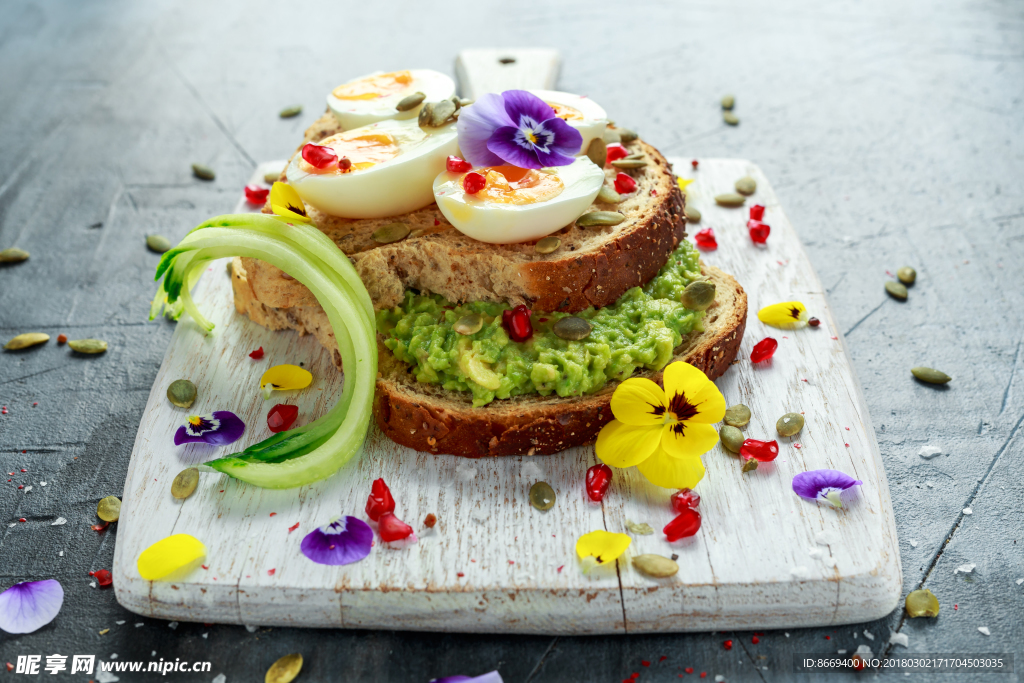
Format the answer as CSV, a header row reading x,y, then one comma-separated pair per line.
x,y
491,677
826,485
516,128
27,607
343,541
219,429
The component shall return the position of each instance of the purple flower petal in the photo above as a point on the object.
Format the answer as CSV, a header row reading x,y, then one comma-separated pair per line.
x,y
520,104
27,607
343,541
476,124
826,485
507,143
490,677
219,429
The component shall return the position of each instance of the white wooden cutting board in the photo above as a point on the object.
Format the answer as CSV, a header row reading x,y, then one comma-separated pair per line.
x,y
763,558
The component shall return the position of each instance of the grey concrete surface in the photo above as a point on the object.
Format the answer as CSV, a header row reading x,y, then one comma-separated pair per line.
x,y
892,131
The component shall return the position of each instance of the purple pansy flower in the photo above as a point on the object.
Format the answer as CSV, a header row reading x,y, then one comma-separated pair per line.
x,y
219,429
491,677
517,128
826,485
343,541
27,607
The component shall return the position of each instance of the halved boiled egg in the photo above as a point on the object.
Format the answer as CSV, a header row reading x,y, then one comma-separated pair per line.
x,y
383,169
518,204
373,98
582,113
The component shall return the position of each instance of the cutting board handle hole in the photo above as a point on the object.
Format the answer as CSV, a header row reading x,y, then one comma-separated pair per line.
x,y
507,60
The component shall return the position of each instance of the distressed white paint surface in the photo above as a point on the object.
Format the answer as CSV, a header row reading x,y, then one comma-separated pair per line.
x,y
749,566
495,70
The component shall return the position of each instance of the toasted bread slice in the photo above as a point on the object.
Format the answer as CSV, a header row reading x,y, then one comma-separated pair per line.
x,y
592,266
427,418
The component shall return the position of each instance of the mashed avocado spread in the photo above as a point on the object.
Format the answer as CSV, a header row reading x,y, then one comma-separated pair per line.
x,y
640,330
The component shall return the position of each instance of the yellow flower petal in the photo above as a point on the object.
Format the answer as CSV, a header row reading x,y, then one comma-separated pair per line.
x,y
691,395
695,440
284,378
172,557
604,546
286,202
661,469
785,315
622,445
639,402
683,182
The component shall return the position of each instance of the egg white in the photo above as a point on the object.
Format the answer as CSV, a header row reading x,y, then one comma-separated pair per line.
x,y
394,187
499,223
594,122
357,113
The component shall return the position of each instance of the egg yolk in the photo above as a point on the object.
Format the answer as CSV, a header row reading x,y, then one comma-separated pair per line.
x,y
514,185
361,148
374,87
565,112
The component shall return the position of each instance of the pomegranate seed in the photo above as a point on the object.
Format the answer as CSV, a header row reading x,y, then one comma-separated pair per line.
x,y
392,528
694,164
688,669
762,451
763,350
379,501
813,322
257,354
616,151
517,323
103,578
644,662
318,156
281,417
459,574
755,640
685,524
685,499
758,231
456,164
254,194
473,182
727,645
599,478
293,527
22,519
624,184
344,163
757,212
705,239
271,572
62,338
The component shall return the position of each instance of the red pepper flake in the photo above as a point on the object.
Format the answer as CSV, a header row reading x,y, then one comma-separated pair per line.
x,y
727,645
91,573
828,637
634,676
293,527
436,222
22,519
561,568
662,658
204,567
23,469
460,574
688,669
257,354
755,640
270,572
10,667
644,662
654,193
103,578
511,562
694,164
272,514
221,491
956,607
35,404
703,674
21,486
100,528
847,445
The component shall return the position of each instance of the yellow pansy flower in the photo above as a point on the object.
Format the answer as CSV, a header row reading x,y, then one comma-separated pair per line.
x,y
663,432
785,315
284,378
684,182
172,557
600,547
287,203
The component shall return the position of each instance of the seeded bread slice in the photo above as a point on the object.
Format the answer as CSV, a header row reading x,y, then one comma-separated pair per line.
x,y
427,418
592,267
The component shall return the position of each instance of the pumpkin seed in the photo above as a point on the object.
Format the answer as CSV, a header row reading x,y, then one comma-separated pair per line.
x,y
456,101
109,509
611,135
746,185
542,496
182,393
698,296
442,111
547,245
392,232
597,151
184,485
922,603
749,466
572,328
626,135
728,102
465,101
158,243
629,163
271,177
730,199
656,565
731,119
291,111
789,424
594,218
285,669
640,529
692,214
469,324
426,113
906,275
13,255
608,195
203,172
930,375
732,438
418,232
88,345
896,290
738,415
23,341
410,101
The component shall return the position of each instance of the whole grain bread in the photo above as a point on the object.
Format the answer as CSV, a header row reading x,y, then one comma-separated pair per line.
x,y
427,418
592,266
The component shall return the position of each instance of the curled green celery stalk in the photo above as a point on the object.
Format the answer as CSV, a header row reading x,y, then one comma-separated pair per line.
x,y
317,450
